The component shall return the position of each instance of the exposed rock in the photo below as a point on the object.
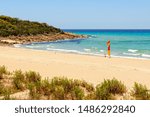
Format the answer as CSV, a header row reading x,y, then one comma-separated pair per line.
x,y
38,38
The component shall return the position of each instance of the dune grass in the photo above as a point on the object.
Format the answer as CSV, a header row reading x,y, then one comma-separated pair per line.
x,y
3,71
108,88
1,88
140,92
59,88
63,88
19,80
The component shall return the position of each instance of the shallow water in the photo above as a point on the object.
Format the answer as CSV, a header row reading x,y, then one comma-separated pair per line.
x,y
124,43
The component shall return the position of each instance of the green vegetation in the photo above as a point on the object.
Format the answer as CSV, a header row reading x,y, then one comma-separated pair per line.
x,y
140,92
62,88
19,80
59,88
32,77
13,26
3,71
108,88
1,88
7,93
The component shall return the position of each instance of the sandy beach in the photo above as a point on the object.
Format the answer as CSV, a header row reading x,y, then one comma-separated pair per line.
x,y
93,69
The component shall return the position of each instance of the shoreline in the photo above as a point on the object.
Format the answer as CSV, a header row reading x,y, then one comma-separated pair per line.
x,y
92,69
78,52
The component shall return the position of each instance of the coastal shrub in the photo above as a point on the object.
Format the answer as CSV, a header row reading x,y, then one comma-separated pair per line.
x,y
89,87
102,92
90,96
13,26
78,93
108,88
51,90
59,93
62,88
86,90
59,88
40,89
140,92
1,88
3,70
46,87
66,83
32,76
1,76
19,80
34,94
62,85
69,88
7,93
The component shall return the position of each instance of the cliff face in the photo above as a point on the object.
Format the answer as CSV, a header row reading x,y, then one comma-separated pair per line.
x,y
16,31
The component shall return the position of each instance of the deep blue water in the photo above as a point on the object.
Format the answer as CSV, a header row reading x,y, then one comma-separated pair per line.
x,y
124,43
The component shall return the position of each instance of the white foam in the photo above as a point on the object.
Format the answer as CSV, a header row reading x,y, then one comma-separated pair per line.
x,y
32,47
49,46
92,54
131,50
136,56
63,50
146,55
97,52
92,36
131,54
17,45
101,50
128,57
87,50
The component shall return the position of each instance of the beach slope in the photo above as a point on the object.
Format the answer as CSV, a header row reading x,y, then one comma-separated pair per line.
x,y
93,69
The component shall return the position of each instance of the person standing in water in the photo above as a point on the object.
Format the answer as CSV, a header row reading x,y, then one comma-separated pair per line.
x,y
108,51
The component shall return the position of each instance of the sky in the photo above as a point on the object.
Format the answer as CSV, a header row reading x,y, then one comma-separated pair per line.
x,y
82,14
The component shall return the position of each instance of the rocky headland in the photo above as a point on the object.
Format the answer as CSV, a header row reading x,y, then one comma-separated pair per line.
x,y
16,31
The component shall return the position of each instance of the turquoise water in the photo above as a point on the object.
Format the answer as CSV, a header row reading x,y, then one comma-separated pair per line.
x,y
124,43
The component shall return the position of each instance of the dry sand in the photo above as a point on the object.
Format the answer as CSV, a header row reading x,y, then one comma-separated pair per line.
x,y
93,69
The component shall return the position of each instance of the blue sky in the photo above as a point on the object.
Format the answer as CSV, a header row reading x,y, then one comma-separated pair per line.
x,y
82,14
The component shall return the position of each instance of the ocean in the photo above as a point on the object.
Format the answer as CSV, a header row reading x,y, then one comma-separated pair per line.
x,y
124,43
